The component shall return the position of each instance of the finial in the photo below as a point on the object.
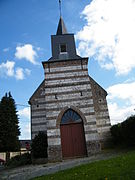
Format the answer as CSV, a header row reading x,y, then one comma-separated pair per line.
x,y
60,7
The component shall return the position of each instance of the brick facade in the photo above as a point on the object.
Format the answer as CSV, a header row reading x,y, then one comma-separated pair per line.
x,y
68,85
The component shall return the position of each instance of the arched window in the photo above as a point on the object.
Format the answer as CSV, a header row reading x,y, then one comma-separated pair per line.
x,y
70,116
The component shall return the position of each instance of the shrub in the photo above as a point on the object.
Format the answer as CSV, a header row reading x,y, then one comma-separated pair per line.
x,y
116,131
124,133
128,129
39,146
19,160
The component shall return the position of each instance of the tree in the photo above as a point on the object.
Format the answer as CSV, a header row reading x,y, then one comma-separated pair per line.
x,y
124,133
9,128
39,145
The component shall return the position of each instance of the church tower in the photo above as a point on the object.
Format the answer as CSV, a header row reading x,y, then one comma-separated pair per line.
x,y
69,105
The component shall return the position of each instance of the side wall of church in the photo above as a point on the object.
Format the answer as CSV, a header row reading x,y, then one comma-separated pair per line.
x,y
38,111
67,84
101,112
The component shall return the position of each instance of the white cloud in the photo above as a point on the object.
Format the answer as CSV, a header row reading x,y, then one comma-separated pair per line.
x,y
108,35
6,50
19,74
27,71
27,52
25,112
124,91
25,131
118,113
24,115
121,101
8,70
38,48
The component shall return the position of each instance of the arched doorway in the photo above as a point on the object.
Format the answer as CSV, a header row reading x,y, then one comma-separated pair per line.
x,y
72,135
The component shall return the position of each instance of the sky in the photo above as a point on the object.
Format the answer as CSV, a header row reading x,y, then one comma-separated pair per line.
x,y
104,32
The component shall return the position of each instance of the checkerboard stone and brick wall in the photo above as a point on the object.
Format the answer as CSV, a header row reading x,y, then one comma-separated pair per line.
x,y
67,85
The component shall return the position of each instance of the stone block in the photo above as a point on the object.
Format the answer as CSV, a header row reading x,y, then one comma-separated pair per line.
x,y
53,132
54,141
54,153
51,123
90,127
93,147
91,137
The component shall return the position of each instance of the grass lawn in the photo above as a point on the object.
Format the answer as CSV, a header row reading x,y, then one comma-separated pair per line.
x,y
119,168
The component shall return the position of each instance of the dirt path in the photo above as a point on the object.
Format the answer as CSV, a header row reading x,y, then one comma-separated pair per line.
x,y
31,171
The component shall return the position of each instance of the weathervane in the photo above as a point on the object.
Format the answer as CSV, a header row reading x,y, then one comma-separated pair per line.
x,y
60,7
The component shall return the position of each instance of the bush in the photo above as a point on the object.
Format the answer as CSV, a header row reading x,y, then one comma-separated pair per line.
x,y
116,131
124,133
128,129
19,160
39,146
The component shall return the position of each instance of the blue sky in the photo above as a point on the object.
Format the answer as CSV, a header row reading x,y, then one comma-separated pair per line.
x,y
103,32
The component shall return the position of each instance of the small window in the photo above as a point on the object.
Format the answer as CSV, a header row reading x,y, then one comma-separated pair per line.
x,y
99,93
63,48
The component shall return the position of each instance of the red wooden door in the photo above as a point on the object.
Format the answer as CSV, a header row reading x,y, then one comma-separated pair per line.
x,y
73,140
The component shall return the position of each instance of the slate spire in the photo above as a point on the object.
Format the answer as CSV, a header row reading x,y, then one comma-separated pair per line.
x,y
63,43
61,27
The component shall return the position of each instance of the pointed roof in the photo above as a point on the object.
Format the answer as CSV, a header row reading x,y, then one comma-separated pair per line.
x,y
61,27
37,93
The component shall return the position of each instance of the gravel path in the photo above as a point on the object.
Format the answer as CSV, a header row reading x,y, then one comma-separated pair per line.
x,y
31,171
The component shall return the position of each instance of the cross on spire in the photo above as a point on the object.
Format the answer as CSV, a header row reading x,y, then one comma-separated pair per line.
x,y
61,26
60,7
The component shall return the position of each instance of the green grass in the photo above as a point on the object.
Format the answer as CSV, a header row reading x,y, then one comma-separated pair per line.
x,y
119,168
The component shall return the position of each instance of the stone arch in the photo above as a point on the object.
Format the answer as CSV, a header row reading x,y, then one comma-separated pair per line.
x,y
65,109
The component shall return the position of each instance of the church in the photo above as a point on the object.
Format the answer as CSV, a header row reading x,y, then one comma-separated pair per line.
x,y
69,105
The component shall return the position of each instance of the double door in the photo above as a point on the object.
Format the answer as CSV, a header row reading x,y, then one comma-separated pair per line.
x,y
73,140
